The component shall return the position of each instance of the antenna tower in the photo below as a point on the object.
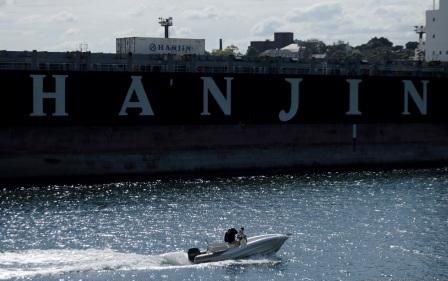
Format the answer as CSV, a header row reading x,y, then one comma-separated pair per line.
x,y
167,23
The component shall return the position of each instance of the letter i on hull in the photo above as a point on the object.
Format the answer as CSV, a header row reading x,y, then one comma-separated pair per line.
x,y
354,97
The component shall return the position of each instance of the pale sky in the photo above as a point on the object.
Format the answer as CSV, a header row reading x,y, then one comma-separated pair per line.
x,y
62,25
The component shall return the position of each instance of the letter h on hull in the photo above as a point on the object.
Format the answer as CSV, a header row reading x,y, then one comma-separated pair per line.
x,y
39,95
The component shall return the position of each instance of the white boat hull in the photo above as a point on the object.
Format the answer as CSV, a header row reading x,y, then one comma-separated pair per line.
x,y
257,245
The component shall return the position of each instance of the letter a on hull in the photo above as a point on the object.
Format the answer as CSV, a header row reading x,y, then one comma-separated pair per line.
x,y
142,99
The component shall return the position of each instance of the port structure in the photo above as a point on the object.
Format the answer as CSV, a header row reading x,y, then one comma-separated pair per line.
x,y
420,51
167,23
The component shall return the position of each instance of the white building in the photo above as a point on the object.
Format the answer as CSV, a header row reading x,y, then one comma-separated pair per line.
x,y
436,47
290,51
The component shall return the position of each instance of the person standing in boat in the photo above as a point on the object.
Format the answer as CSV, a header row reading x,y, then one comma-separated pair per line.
x,y
241,237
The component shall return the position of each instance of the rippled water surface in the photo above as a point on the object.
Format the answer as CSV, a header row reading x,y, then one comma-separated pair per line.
x,y
345,226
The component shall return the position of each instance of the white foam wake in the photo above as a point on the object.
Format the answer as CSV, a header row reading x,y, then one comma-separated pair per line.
x,y
49,262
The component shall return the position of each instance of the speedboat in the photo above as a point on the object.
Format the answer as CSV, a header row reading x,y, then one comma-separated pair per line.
x,y
255,246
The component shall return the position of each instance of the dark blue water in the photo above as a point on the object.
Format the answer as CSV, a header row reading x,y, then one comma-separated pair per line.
x,y
345,226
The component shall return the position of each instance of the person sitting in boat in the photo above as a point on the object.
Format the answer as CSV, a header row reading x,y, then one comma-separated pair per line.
x,y
229,237
241,237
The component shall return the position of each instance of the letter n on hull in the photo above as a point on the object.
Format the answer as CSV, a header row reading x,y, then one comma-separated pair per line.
x,y
420,101
224,102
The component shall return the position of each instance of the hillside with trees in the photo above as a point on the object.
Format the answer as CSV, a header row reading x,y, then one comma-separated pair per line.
x,y
376,50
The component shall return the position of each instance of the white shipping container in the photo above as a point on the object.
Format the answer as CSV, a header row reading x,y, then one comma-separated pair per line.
x,y
160,46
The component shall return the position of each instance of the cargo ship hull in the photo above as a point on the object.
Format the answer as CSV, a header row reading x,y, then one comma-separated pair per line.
x,y
84,123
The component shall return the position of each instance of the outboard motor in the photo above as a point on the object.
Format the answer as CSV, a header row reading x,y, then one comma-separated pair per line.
x,y
192,253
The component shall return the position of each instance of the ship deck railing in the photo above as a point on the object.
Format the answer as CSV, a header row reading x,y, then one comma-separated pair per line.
x,y
86,61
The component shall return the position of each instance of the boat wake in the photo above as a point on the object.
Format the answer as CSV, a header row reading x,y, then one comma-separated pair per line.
x,y
31,263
